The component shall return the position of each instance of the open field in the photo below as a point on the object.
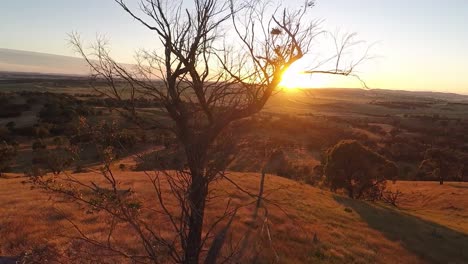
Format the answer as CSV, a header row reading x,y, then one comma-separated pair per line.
x,y
318,118
430,225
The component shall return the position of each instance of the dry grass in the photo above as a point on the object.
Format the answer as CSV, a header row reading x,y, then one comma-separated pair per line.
x,y
430,227
446,205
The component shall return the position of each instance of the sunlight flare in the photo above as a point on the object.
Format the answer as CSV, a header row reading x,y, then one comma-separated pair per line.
x,y
294,78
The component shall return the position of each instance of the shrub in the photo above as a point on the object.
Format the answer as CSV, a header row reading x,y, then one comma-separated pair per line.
x,y
79,169
391,197
38,144
40,254
12,110
41,130
278,164
106,134
5,134
55,160
11,125
35,171
62,109
7,155
25,131
314,177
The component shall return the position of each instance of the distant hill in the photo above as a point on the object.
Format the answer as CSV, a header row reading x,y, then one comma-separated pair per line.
x,y
35,62
27,65
384,94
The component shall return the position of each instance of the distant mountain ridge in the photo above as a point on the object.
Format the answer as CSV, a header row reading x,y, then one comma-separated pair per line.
x,y
35,62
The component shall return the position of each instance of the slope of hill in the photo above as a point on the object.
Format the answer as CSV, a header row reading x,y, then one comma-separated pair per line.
x,y
346,231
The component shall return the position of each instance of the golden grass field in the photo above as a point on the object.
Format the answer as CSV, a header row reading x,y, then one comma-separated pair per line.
x,y
430,225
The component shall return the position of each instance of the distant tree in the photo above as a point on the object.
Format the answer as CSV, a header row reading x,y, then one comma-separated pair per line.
x,y
394,132
462,174
58,160
109,134
7,155
360,171
38,144
278,164
5,134
318,170
440,163
55,159
11,125
41,130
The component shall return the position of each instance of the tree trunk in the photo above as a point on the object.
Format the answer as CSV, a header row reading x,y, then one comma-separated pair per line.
x,y
440,171
351,192
197,193
350,187
441,178
197,198
260,194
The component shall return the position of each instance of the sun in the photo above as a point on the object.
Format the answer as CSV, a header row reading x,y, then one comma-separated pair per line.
x,y
294,78
291,79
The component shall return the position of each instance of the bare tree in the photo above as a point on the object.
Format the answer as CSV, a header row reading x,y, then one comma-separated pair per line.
x,y
206,78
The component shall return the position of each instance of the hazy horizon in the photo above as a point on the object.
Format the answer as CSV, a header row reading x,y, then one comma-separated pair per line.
x,y
45,64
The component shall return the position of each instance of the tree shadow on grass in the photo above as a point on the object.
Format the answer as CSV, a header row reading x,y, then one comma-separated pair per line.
x,y
8,260
432,242
458,186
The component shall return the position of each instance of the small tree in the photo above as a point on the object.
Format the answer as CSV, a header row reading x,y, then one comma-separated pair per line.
x,y
41,130
11,125
439,163
5,134
56,159
463,171
360,171
38,145
7,155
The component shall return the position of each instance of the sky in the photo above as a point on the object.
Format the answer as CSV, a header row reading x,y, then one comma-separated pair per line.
x,y
417,44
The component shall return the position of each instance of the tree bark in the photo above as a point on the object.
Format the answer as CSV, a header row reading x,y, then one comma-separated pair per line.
x,y
260,194
350,187
351,192
198,190
197,199
440,175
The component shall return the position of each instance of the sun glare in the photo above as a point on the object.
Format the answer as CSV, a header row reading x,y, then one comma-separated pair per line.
x,y
294,78
291,80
